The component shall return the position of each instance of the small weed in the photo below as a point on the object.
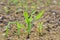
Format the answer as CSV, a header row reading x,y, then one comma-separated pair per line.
x,y
7,31
7,28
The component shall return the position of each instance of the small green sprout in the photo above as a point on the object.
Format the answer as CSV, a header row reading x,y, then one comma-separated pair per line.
x,y
40,27
7,31
39,15
19,26
7,28
29,19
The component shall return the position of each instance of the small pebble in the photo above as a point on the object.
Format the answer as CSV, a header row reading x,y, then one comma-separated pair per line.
x,y
53,13
0,18
3,34
55,2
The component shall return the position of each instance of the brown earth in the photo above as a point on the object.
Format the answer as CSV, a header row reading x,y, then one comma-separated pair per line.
x,y
50,19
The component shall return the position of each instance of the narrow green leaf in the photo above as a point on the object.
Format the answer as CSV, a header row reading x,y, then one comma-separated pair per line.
x,y
33,12
20,25
27,20
7,31
25,15
39,15
30,19
40,26
29,27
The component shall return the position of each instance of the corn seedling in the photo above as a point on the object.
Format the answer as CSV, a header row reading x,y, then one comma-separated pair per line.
x,y
29,19
7,31
7,28
40,27
19,26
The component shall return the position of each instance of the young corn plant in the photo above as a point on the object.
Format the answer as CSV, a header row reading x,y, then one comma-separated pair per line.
x,y
29,19
7,28
7,31
19,26
40,27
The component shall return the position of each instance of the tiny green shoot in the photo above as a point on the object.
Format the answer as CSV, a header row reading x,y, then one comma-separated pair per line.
x,y
7,31
19,26
39,15
40,27
29,19
7,28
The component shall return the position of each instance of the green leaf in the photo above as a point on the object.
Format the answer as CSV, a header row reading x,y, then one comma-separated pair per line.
x,y
29,27
20,25
40,26
7,31
30,19
39,15
25,15
26,21
33,12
